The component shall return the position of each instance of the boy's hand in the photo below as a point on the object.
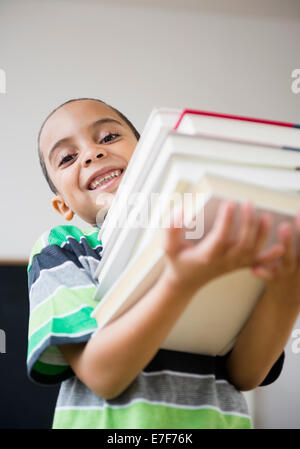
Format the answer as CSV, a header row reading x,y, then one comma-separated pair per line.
x,y
269,327
191,265
285,271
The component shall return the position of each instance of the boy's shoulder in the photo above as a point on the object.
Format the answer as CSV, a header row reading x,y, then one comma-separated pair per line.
x,y
62,235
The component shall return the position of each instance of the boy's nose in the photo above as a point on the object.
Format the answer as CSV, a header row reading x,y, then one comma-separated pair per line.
x,y
88,159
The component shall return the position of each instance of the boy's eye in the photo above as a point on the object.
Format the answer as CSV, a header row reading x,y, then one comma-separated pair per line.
x,y
65,159
106,139
108,136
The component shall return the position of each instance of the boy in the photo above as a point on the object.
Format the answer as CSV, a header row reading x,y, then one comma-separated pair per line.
x,y
120,378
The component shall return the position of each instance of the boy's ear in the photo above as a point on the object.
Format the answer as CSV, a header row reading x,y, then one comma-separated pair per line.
x,y
62,208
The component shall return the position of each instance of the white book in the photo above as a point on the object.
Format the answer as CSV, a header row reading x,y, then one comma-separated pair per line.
x,y
285,135
283,180
159,122
234,158
213,319
163,119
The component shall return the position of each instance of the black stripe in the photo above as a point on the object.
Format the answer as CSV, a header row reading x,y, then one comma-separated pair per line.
x,y
203,364
46,379
53,255
274,372
186,362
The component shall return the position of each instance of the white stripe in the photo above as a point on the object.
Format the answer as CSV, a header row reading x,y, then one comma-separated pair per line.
x,y
59,316
53,359
56,291
189,407
91,231
57,267
45,238
178,373
78,334
222,381
183,374
87,259
82,237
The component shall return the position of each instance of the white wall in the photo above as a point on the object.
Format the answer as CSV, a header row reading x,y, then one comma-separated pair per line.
x,y
277,406
227,56
135,58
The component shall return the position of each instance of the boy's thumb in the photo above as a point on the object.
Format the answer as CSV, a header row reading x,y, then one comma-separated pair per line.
x,y
173,234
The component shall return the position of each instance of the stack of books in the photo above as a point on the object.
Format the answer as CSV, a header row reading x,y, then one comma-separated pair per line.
x,y
196,158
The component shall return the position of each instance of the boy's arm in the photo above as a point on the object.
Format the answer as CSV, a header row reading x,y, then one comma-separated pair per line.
x,y
111,360
263,339
267,331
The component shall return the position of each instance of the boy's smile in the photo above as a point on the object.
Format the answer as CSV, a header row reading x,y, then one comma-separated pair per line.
x,y
86,147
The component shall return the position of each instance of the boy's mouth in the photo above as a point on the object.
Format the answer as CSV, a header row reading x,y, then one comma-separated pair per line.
x,y
104,181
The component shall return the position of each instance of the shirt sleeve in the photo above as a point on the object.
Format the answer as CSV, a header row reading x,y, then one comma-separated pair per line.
x,y
274,372
61,290
272,375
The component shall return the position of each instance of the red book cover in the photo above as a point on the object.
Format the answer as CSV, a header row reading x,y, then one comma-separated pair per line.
x,y
234,117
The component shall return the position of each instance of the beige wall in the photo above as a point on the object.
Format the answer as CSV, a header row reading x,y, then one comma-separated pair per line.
x,y
227,56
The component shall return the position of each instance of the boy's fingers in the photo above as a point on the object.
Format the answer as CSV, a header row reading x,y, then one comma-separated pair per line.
x,y
222,227
173,235
247,228
297,223
270,254
285,233
263,230
216,240
263,273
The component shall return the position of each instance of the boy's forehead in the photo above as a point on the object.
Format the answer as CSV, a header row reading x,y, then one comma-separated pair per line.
x,y
70,119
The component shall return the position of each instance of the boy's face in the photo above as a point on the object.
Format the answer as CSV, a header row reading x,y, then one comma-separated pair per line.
x,y
79,149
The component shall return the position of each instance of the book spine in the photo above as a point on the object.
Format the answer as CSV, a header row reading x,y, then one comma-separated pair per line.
x,y
234,117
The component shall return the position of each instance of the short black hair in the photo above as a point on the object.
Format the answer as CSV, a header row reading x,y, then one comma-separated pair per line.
x,y
41,158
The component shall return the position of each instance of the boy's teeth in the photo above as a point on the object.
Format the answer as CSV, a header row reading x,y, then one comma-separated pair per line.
x,y
104,179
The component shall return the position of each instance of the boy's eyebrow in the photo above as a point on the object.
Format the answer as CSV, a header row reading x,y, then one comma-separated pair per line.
x,y
104,120
93,125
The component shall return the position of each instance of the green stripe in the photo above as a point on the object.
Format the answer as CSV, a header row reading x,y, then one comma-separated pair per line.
x,y
70,324
63,302
60,234
47,368
37,248
148,416
92,239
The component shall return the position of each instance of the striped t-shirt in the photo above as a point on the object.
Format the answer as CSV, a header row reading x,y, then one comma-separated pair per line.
x,y
175,390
